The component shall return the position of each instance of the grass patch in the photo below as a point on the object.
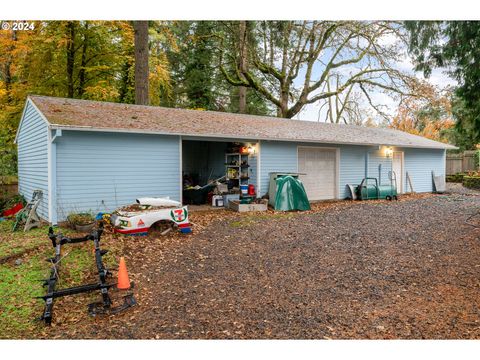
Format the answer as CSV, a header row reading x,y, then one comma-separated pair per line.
x,y
20,282
78,261
19,285
17,242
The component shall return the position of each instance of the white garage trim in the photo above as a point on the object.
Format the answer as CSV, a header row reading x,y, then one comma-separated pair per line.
x,y
259,167
180,159
337,165
401,178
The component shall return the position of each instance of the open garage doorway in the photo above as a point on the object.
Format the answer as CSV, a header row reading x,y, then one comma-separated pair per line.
x,y
216,169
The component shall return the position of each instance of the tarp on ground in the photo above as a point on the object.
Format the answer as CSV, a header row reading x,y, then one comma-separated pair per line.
x,y
291,194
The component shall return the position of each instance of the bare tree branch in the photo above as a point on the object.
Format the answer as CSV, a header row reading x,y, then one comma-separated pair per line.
x,y
354,52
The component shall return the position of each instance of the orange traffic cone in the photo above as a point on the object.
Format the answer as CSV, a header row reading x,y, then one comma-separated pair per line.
x,y
123,281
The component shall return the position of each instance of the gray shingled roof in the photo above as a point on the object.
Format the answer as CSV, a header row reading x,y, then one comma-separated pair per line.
x,y
84,114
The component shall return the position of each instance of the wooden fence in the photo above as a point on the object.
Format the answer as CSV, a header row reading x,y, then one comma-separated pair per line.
x,y
8,187
457,163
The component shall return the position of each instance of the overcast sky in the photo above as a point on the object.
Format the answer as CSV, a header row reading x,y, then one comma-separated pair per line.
x,y
438,78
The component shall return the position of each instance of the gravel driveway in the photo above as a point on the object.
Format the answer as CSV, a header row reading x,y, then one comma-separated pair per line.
x,y
406,269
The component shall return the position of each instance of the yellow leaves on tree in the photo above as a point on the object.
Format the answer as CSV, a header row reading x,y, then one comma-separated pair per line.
x,y
159,77
430,129
13,50
429,114
101,91
160,37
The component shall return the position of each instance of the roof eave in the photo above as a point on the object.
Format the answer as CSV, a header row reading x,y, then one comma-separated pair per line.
x,y
234,137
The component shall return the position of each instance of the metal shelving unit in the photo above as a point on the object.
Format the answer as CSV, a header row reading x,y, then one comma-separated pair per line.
x,y
237,166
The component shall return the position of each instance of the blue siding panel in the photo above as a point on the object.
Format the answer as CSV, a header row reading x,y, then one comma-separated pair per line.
x,y
276,156
32,146
420,163
352,167
375,159
102,171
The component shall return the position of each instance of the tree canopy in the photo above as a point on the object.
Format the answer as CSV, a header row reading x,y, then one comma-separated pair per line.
x,y
454,45
295,63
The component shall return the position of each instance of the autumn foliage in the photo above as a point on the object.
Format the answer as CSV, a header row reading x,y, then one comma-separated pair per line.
x,y
429,114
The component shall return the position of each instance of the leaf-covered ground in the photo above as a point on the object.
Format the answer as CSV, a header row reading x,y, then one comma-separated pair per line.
x,y
406,269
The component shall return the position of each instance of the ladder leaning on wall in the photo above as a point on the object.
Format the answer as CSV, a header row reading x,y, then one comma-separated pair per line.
x,y
28,216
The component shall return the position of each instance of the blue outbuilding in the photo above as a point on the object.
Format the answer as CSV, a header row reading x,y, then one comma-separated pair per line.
x,y
97,156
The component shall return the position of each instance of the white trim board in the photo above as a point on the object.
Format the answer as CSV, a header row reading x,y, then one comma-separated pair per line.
x,y
259,167
402,177
50,175
180,154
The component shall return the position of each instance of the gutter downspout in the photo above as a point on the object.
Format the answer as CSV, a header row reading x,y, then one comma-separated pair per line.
x,y
366,162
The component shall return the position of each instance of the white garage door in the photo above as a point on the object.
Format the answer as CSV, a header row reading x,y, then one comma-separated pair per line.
x,y
319,165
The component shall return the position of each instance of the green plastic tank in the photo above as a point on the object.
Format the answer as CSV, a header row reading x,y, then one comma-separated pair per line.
x,y
370,190
290,195
272,186
387,192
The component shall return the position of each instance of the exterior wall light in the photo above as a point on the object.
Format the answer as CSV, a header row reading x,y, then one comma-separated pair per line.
x,y
388,151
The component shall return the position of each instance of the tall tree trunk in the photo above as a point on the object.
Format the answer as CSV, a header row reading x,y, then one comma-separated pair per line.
x,y
125,81
141,62
70,57
82,72
242,62
282,110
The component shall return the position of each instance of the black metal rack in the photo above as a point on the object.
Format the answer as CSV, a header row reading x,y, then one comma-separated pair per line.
x,y
104,307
